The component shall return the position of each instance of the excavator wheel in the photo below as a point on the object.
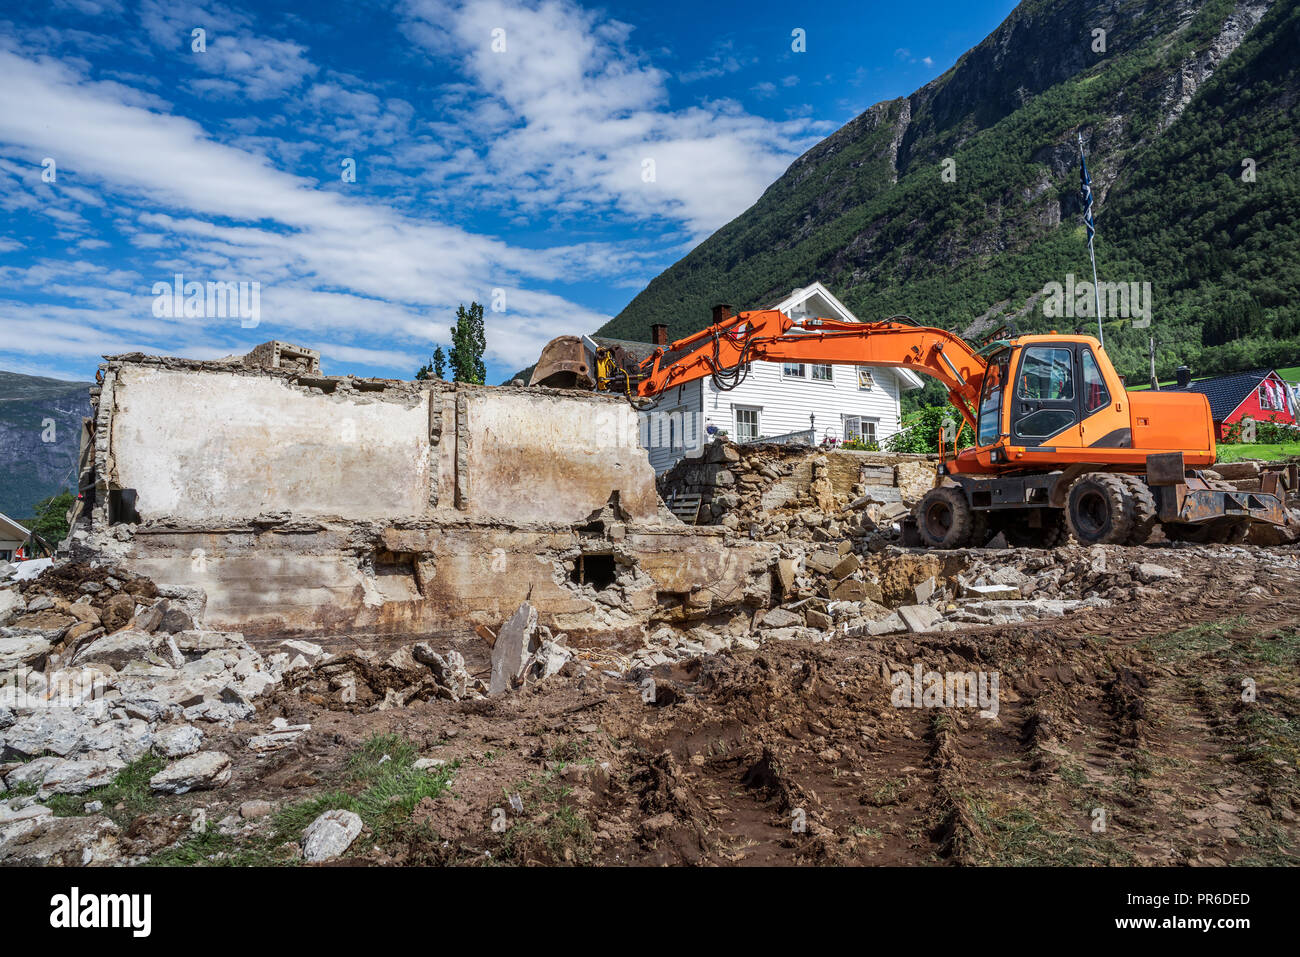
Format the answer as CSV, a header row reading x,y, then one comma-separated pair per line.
x,y
1144,509
944,518
1099,509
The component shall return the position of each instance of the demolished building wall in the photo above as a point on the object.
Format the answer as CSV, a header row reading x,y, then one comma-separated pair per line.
x,y
322,505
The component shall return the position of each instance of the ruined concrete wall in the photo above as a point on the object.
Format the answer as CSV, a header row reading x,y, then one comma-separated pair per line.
x,y
338,578
342,509
198,441
201,445
535,456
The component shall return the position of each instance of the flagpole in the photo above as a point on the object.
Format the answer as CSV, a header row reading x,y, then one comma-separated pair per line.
x,y
1086,188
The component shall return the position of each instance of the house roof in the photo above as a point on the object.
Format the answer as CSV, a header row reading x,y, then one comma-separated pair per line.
x,y
908,379
9,529
1226,392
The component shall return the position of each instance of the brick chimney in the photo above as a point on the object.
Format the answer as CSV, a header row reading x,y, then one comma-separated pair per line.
x,y
721,313
659,333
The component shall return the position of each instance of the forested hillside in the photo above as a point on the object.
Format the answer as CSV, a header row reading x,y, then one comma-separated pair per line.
x,y
1191,120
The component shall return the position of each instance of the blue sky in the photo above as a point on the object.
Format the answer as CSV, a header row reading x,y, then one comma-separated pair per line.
x,y
547,158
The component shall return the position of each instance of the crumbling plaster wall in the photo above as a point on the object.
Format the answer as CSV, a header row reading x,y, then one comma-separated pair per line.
x,y
201,441
199,446
351,509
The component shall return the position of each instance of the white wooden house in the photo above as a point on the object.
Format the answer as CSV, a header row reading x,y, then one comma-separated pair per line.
x,y
830,401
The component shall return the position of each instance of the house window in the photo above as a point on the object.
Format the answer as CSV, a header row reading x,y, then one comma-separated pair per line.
x,y
746,424
866,382
822,373
859,429
6,555
792,369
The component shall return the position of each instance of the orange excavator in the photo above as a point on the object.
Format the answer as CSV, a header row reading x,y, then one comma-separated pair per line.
x,y
1060,447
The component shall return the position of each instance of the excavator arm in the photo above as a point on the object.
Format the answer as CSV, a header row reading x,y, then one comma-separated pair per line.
x,y
724,349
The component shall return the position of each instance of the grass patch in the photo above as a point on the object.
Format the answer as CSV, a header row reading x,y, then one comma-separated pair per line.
x,y
130,789
1235,452
1017,837
391,787
1197,640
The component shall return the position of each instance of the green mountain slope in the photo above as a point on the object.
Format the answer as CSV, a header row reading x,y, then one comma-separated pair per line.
x,y
40,434
1184,92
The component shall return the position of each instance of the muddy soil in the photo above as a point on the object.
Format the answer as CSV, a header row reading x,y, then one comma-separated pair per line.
x,y
1160,731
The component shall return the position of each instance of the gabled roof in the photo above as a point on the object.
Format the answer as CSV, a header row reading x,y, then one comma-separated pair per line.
x,y
1226,392
790,304
9,529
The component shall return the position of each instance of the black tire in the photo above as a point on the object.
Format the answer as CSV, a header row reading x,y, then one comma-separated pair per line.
x,y
1144,509
1099,509
944,518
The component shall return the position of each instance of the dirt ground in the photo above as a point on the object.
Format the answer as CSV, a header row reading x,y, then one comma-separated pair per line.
x,y
1159,731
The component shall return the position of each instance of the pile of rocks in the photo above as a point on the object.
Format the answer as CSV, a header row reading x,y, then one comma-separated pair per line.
x,y
99,668
783,492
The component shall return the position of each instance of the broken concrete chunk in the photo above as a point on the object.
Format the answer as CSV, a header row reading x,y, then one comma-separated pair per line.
x,y
781,618
80,775
311,651
120,649
853,590
919,618
511,649
785,576
330,835
61,842
925,590
176,742
22,648
990,592
846,566
1149,574
203,771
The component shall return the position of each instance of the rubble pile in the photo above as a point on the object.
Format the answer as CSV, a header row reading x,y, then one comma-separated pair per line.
x,y
779,492
98,669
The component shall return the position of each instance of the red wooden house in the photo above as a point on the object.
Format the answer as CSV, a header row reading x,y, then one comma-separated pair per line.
x,y
1259,394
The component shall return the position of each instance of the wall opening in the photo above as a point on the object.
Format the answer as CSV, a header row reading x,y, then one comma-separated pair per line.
x,y
598,571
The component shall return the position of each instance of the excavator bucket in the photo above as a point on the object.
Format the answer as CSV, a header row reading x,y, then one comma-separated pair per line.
x,y
565,363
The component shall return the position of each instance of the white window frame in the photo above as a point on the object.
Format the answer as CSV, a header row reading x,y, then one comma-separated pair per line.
x,y
866,381
830,372
863,427
736,411
787,370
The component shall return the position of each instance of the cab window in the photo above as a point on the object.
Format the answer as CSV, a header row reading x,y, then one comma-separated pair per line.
x,y
990,418
1095,393
1047,374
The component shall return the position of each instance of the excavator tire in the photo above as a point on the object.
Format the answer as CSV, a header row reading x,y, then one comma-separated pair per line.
x,y
1099,509
944,518
1144,509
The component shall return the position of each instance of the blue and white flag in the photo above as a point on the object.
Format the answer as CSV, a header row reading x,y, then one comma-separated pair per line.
x,y
1085,192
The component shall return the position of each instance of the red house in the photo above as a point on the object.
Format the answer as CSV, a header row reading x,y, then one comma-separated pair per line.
x,y
1259,394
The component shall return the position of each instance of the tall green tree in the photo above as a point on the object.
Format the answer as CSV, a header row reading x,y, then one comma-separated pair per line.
x,y
468,343
435,368
51,521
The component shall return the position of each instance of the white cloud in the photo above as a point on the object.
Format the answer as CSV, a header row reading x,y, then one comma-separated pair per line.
x,y
324,261
589,113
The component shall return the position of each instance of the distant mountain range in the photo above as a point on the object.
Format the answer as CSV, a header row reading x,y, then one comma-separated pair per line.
x,y
40,436
958,204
